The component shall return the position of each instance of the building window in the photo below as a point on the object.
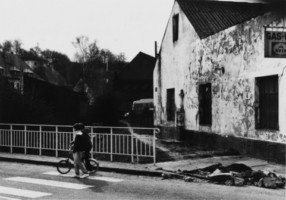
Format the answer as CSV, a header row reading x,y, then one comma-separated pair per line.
x,y
266,98
16,85
170,104
205,104
175,27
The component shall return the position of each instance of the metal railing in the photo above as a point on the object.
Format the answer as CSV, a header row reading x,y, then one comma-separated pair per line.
x,y
124,141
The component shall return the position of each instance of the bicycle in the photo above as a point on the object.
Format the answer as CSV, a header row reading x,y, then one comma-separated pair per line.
x,y
64,166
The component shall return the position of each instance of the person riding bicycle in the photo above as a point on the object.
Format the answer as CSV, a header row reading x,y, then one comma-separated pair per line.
x,y
80,144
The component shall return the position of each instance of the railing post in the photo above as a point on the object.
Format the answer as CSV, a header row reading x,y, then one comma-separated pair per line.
x,y
91,137
132,146
154,146
111,144
96,146
11,139
57,145
25,139
40,146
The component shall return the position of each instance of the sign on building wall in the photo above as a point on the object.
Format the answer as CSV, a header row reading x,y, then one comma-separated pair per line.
x,y
275,44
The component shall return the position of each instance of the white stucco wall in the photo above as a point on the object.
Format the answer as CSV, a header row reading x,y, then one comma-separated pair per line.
x,y
173,63
191,61
240,50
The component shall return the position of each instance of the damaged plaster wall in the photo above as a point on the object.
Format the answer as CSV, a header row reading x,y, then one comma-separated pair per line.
x,y
189,62
240,51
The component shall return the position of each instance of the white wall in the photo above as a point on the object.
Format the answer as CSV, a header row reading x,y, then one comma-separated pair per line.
x,y
191,61
175,56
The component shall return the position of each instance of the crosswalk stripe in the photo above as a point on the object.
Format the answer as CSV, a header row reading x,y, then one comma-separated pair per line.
x,y
49,183
100,178
22,192
8,198
107,179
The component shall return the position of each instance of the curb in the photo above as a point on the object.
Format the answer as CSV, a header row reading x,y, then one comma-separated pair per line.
x,y
106,169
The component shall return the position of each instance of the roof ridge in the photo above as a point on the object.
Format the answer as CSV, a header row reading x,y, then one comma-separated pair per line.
x,y
209,17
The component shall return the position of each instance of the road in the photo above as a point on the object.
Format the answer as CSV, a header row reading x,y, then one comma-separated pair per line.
x,y
25,181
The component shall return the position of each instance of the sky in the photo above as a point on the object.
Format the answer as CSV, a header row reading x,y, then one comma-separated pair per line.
x,y
122,26
127,26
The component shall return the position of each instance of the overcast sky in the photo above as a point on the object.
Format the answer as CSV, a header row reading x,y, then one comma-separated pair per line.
x,y
127,26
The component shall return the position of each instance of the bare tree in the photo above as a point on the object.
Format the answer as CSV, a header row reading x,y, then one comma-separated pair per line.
x,y
81,44
86,51
17,46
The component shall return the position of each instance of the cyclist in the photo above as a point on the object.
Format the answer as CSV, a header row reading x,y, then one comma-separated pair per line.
x,y
80,142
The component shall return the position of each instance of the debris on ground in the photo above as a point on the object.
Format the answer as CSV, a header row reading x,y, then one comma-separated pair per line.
x,y
236,174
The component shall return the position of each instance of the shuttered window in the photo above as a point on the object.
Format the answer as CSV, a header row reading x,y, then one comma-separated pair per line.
x,y
171,104
175,27
267,108
205,104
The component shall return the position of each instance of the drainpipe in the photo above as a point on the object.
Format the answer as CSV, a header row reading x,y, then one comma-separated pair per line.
x,y
156,52
160,86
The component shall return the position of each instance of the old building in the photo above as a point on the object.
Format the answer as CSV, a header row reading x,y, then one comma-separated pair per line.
x,y
215,79
14,69
45,69
63,102
135,81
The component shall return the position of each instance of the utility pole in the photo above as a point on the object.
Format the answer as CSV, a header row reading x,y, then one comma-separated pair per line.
x,y
106,62
21,79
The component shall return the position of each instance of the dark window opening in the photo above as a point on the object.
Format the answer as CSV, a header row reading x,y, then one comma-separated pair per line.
x,y
175,27
266,98
205,104
171,104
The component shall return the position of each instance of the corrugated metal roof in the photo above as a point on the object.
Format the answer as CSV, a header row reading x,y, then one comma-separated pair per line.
x,y
210,17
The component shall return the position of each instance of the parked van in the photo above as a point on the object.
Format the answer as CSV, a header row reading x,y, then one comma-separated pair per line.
x,y
142,106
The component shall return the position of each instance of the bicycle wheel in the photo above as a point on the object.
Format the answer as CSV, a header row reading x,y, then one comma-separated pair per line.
x,y
94,164
64,166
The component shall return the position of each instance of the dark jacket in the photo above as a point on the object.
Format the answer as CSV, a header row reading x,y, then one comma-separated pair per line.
x,y
82,142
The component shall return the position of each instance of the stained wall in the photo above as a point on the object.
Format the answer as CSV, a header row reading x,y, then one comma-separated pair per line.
x,y
190,61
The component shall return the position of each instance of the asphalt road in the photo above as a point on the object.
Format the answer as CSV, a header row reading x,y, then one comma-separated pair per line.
x,y
25,181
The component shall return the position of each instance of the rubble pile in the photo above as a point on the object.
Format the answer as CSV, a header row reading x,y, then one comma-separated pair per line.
x,y
235,174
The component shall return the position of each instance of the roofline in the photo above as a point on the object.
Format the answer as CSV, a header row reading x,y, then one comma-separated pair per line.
x,y
165,32
275,2
140,52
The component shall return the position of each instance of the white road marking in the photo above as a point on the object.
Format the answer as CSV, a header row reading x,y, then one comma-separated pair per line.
x,y
49,183
100,178
22,192
107,179
8,198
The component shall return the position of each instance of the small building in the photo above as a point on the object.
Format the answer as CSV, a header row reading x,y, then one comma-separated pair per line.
x,y
64,103
45,69
14,69
214,81
135,81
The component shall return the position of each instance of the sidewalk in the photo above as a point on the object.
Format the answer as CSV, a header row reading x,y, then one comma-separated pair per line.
x,y
158,168
170,155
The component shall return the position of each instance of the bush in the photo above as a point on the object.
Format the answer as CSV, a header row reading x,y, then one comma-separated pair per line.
x,y
17,108
104,110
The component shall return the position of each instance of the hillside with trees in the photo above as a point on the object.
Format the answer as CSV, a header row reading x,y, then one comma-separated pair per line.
x,y
94,68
